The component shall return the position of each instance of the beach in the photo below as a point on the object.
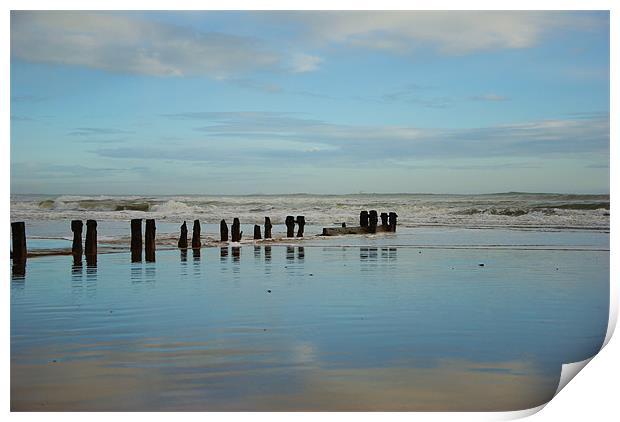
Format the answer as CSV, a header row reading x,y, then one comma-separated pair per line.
x,y
474,303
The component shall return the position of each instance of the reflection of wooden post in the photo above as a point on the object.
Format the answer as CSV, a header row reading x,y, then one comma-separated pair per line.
x,y
20,252
223,231
384,219
256,232
196,235
372,221
364,219
301,222
392,218
268,227
90,248
183,239
76,248
236,230
149,240
290,226
136,239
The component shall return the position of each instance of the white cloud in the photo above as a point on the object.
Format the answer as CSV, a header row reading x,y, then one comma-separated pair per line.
x,y
119,43
302,63
449,32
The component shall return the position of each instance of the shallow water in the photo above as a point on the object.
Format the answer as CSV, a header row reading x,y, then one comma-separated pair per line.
x,y
381,324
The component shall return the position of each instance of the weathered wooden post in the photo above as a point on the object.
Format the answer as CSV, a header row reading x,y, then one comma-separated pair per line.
x,y
183,238
20,252
223,231
149,240
364,219
344,225
392,218
301,222
290,226
372,221
384,219
76,248
236,230
268,227
257,235
90,247
196,235
136,239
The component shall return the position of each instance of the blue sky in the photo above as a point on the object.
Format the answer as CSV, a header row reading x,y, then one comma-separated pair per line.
x,y
321,102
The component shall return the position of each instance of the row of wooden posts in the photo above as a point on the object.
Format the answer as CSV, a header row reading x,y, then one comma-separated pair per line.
x,y
20,252
368,224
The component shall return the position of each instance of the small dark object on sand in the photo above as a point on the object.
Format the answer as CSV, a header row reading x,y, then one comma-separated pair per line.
x,y
481,265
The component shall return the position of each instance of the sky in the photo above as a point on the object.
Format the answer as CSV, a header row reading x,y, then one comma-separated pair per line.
x,y
318,102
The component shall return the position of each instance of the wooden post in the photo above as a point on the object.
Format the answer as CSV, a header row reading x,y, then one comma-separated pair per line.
x,y
90,247
301,222
183,238
364,219
392,218
196,235
344,224
384,219
256,232
290,226
223,231
76,248
136,239
20,251
268,227
236,230
149,240
372,221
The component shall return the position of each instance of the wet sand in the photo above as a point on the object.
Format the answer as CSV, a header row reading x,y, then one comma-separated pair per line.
x,y
378,324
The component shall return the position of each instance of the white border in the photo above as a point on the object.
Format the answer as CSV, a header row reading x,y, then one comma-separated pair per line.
x,y
593,395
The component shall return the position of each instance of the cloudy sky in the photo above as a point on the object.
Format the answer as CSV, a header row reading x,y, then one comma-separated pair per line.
x,y
322,102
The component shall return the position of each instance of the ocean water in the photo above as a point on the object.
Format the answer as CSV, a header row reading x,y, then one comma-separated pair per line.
x,y
520,210
457,310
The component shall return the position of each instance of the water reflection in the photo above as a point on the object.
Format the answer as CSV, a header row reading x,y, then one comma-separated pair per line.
x,y
223,253
290,253
196,261
301,253
183,255
267,253
91,261
257,252
236,253
149,273
136,273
